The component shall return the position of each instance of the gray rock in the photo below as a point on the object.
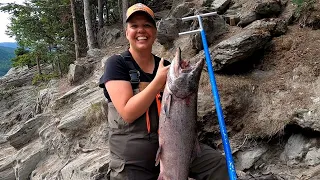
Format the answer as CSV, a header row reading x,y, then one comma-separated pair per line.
x,y
7,159
182,10
20,136
268,8
283,2
168,30
276,27
247,18
255,10
107,36
7,174
214,27
246,159
103,62
87,166
295,149
76,72
69,97
220,5
49,167
79,116
238,47
287,13
95,53
46,96
27,159
3,138
18,77
313,156
308,118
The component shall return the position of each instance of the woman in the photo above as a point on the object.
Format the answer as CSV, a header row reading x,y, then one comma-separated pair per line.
x,y
131,82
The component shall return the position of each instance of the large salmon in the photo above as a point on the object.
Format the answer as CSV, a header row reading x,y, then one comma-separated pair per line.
x,y
177,124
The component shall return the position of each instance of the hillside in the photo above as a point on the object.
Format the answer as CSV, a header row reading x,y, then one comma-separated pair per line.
x,y
9,44
6,54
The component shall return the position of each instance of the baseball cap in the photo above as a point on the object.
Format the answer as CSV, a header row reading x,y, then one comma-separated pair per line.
x,y
139,7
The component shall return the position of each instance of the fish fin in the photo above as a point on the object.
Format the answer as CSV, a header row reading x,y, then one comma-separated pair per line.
x,y
158,156
196,151
167,106
160,177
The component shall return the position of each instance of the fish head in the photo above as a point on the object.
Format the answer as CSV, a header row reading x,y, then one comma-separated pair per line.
x,y
183,78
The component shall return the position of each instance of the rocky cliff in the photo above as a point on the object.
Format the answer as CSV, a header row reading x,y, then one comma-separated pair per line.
x,y
267,70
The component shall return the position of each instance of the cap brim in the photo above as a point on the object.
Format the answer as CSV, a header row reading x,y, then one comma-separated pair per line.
x,y
142,12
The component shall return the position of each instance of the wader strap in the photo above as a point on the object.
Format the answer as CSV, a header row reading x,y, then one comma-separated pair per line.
x,y
158,96
133,72
135,81
148,121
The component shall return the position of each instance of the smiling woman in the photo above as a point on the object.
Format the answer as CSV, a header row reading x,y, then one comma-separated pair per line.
x,y
132,82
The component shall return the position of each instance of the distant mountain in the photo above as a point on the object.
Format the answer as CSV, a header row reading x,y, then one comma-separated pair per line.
x,y
6,54
9,44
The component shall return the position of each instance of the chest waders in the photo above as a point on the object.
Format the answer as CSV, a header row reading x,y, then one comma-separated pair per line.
x,y
136,143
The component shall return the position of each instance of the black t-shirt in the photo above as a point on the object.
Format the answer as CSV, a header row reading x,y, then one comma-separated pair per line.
x,y
116,68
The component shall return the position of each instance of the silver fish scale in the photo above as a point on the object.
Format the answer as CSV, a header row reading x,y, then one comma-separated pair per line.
x,y
177,125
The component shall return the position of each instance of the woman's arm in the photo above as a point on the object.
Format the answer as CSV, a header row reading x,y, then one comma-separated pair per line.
x,y
130,106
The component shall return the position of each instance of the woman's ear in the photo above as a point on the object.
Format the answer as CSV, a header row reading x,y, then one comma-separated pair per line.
x,y
126,31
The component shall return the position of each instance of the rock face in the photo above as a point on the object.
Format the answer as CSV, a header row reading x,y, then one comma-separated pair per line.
x,y
268,77
238,47
49,134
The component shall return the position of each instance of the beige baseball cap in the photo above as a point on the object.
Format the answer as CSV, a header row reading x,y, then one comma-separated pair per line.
x,y
139,7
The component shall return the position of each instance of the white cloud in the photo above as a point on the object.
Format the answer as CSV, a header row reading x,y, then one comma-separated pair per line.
x,y
4,21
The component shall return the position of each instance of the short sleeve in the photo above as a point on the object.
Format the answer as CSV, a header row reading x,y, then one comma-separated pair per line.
x,y
115,69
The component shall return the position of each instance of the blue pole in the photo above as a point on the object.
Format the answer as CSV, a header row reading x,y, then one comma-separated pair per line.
x,y
223,131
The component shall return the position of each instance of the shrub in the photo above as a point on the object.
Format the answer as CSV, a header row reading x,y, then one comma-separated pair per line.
x,y
304,7
38,78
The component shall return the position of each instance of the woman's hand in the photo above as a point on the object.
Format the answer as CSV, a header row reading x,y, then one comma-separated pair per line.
x,y
161,76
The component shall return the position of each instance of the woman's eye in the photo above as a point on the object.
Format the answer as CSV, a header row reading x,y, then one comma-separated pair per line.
x,y
147,25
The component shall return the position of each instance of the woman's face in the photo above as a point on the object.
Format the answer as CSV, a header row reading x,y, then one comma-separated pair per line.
x,y
140,32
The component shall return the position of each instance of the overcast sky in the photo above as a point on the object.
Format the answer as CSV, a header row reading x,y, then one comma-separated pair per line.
x,y
4,20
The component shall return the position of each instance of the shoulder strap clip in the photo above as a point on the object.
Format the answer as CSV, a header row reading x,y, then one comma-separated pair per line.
x,y
133,72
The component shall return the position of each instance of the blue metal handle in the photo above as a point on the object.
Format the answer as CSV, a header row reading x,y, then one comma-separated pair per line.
x,y
223,131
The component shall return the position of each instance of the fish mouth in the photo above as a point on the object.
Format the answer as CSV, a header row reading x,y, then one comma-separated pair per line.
x,y
182,66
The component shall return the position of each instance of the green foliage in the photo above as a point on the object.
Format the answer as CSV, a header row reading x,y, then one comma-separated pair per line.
x,y
298,2
303,7
20,51
39,78
23,60
40,26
